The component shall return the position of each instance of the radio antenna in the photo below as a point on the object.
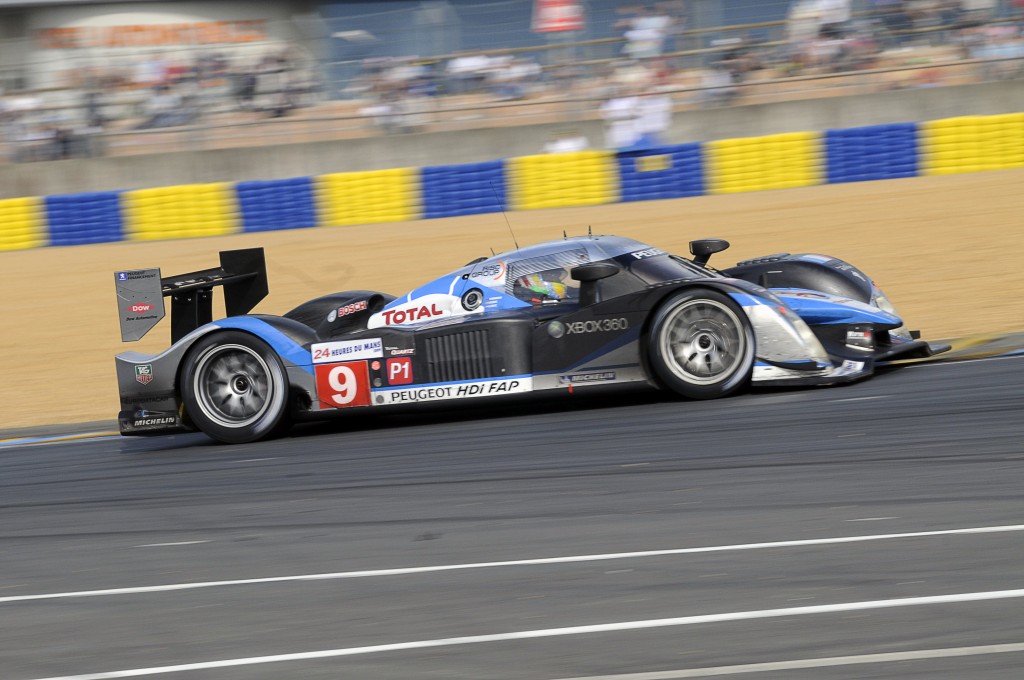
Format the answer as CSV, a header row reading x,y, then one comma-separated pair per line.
x,y
507,223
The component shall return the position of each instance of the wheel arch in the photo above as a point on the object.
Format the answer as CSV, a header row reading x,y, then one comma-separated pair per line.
x,y
300,382
662,294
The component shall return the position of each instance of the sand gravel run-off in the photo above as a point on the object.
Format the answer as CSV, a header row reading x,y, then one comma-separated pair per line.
x,y
948,251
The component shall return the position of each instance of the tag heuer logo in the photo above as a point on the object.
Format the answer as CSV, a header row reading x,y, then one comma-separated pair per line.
x,y
144,373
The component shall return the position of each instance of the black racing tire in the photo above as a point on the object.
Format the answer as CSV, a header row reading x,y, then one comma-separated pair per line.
x,y
701,344
235,388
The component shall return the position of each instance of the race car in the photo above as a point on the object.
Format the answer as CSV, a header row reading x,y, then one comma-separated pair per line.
x,y
555,318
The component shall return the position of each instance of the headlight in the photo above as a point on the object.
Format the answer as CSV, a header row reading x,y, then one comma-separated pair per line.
x,y
879,300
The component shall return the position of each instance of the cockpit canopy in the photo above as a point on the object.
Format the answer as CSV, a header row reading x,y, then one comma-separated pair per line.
x,y
540,274
543,272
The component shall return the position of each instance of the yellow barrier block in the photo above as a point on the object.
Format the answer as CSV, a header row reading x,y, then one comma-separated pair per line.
x,y
369,197
972,143
793,159
182,211
22,223
559,180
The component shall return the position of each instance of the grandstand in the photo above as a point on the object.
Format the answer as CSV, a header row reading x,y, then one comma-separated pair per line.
x,y
355,69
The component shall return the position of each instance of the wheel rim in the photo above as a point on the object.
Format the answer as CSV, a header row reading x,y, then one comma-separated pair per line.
x,y
233,385
703,341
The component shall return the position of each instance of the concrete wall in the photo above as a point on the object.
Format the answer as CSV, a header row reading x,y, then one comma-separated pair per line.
x,y
279,162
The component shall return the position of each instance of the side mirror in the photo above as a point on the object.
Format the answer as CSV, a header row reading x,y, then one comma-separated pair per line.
x,y
703,249
588,275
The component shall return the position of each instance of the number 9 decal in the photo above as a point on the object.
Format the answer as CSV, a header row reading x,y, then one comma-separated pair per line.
x,y
343,385
342,379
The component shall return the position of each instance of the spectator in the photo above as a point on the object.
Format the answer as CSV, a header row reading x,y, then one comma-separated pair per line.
x,y
245,89
567,141
978,12
510,78
620,114
645,33
466,74
151,72
94,117
398,112
166,108
718,86
833,16
654,117
274,73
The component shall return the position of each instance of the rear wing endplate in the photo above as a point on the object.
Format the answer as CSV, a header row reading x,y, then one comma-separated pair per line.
x,y
141,293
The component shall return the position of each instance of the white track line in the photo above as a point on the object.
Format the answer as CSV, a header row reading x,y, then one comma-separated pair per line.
x,y
556,632
888,657
168,545
401,571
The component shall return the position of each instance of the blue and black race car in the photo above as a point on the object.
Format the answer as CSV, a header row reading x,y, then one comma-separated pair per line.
x,y
553,317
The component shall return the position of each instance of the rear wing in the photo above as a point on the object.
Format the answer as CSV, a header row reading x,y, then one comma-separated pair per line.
x,y
141,293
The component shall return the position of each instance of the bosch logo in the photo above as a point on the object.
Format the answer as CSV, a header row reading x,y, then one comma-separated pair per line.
x,y
138,309
597,326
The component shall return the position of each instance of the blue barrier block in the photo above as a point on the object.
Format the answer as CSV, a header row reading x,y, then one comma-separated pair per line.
x,y
470,189
276,204
79,219
675,171
871,152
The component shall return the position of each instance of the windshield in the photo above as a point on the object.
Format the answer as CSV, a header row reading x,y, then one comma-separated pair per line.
x,y
667,268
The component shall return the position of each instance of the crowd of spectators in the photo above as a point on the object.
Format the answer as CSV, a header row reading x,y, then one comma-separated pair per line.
x,y
658,63
659,54
155,92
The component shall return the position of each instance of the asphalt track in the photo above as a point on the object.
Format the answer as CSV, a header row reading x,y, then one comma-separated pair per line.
x,y
868,531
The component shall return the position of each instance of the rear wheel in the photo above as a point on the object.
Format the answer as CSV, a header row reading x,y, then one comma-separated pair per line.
x,y
235,388
701,345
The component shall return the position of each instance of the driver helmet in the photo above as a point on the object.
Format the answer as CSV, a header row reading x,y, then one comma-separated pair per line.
x,y
547,284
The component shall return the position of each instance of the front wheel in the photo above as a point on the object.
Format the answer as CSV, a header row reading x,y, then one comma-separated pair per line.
x,y
234,387
701,345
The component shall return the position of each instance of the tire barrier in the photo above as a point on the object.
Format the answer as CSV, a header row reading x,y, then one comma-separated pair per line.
x,y
938,147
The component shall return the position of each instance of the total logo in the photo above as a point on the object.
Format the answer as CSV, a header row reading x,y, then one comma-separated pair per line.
x,y
138,309
399,316
426,308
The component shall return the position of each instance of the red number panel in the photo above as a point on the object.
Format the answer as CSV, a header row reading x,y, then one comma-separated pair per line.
x,y
400,371
343,385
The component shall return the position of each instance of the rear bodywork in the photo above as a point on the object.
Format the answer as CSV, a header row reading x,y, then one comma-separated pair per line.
x,y
469,334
